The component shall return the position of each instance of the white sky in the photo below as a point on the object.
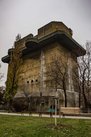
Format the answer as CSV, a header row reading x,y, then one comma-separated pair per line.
x,y
26,16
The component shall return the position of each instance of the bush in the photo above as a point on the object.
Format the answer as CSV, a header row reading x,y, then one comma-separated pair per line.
x,y
20,104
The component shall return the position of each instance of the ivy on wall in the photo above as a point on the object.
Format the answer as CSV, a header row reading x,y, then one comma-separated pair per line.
x,y
13,74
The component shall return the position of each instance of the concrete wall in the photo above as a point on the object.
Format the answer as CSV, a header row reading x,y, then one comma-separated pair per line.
x,y
70,110
32,74
34,69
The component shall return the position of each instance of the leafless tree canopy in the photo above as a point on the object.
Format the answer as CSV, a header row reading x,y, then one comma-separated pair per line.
x,y
1,75
58,74
84,83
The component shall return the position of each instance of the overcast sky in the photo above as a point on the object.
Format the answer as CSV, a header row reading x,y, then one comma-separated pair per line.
x,y
26,16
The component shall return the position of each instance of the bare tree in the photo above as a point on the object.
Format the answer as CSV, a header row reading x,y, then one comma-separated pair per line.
x,y
82,77
58,73
88,73
82,68
18,37
1,75
2,90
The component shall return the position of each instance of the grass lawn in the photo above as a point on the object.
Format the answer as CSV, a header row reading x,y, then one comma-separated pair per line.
x,y
20,126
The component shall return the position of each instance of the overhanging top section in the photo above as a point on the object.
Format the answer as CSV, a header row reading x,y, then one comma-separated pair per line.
x,y
58,36
52,32
6,59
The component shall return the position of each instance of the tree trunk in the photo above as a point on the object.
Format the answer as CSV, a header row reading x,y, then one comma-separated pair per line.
x,y
84,95
65,94
80,95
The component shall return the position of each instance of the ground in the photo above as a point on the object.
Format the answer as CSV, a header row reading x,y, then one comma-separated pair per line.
x,y
20,126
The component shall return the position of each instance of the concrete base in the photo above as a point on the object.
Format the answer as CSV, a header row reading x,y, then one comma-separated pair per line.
x,y
70,110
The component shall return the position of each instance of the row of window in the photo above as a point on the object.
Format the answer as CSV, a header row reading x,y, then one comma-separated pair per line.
x,y
32,81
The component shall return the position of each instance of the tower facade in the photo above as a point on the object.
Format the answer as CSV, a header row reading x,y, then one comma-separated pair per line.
x,y
32,56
